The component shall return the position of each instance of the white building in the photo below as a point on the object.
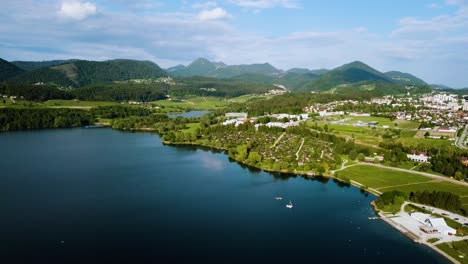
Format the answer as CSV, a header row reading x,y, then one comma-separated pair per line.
x,y
418,158
465,106
236,115
441,226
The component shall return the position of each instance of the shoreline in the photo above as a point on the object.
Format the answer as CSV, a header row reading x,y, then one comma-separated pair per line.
x,y
415,238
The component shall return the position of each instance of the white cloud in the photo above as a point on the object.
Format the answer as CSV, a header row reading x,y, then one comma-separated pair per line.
x,y
434,6
435,49
204,5
214,14
76,10
266,3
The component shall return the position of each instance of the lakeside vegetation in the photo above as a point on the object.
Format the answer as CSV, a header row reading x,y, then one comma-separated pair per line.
x,y
21,119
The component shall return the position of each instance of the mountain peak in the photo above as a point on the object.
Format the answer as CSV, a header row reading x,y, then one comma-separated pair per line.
x,y
200,61
354,64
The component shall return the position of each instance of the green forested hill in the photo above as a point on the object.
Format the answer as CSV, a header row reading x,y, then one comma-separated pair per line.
x,y
8,70
34,65
44,75
78,73
291,80
205,68
347,74
404,78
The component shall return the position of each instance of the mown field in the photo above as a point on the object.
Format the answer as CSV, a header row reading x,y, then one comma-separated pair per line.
x,y
384,180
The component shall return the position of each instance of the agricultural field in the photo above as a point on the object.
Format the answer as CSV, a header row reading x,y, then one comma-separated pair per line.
x,y
194,103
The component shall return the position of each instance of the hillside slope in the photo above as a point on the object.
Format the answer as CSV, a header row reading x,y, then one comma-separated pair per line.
x,y
80,73
8,70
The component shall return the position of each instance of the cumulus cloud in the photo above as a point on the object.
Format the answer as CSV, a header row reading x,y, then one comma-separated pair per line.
x,y
76,10
266,3
214,14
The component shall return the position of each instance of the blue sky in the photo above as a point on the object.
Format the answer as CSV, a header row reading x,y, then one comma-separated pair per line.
x,y
426,38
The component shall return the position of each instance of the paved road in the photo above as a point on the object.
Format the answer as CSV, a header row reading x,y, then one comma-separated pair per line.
x,y
429,175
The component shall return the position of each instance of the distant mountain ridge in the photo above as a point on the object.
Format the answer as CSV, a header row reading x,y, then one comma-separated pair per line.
x,y
355,75
205,68
78,73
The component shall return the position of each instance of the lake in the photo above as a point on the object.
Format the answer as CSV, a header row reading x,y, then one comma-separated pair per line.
x,y
104,196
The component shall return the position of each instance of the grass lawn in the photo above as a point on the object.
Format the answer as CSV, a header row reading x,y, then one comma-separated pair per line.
x,y
387,180
456,249
191,127
375,177
195,103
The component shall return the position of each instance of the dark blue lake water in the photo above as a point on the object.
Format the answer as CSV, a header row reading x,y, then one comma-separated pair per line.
x,y
104,196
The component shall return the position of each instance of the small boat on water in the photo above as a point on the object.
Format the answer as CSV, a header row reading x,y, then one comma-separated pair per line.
x,y
278,198
289,205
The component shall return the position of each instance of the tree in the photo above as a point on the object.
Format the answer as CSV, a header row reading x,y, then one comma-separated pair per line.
x,y
254,158
427,134
353,154
361,157
459,175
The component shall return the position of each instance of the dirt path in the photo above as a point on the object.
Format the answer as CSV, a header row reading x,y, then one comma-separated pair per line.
x,y
276,142
297,153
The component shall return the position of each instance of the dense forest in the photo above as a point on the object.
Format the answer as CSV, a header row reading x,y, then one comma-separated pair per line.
x,y
444,200
48,76
204,86
22,119
119,92
8,70
34,92
117,111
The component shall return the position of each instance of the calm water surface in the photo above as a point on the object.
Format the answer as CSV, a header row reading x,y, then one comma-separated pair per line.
x,y
104,196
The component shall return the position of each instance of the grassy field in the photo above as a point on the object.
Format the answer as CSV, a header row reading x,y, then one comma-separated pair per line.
x,y
72,103
384,180
373,136
191,127
456,249
195,103
245,98
404,124
437,143
376,178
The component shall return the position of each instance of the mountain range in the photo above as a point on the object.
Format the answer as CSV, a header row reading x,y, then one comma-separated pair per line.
x,y
78,73
295,78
